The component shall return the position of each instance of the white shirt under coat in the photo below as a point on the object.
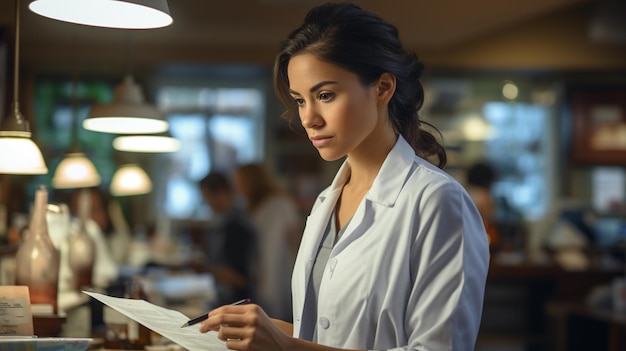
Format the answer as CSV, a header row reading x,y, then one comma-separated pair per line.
x,y
409,271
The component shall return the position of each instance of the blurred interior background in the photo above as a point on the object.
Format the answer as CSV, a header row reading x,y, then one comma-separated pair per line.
x,y
535,89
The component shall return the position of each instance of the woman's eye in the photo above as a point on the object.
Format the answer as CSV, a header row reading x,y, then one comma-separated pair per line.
x,y
298,101
325,96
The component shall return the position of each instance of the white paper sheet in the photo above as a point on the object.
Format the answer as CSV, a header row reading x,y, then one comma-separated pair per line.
x,y
165,322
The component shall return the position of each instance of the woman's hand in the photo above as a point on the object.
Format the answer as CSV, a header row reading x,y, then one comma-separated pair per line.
x,y
246,328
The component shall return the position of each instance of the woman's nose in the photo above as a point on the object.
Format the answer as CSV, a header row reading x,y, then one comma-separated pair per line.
x,y
310,118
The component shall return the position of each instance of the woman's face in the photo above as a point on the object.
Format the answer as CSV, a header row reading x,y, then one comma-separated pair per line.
x,y
339,114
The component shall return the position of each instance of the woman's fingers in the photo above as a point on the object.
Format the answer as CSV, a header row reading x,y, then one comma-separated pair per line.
x,y
228,333
238,344
226,315
245,328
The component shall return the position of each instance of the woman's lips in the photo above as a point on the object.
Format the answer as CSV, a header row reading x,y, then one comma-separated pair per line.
x,y
320,141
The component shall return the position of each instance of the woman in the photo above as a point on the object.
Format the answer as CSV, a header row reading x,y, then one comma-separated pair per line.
x,y
394,255
279,227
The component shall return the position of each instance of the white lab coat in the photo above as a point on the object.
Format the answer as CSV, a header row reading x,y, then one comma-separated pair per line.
x,y
409,271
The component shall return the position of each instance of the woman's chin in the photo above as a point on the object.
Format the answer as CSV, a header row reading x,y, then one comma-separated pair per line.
x,y
328,156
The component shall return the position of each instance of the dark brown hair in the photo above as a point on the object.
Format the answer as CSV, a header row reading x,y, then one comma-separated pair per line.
x,y
365,44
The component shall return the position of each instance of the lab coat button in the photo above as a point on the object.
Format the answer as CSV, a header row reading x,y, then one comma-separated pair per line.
x,y
324,322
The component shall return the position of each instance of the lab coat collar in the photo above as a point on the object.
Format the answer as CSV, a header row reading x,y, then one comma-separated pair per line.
x,y
394,171
385,189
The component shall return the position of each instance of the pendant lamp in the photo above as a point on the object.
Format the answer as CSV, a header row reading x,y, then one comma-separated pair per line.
x,y
75,170
124,14
127,114
130,179
152,143
18,153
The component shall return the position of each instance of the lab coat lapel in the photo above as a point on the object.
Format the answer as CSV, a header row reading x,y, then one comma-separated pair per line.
x,y
315,226
319,217
384,191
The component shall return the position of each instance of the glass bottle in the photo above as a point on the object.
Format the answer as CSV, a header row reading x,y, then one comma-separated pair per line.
x,y
37,260
116,335
82,249
139,335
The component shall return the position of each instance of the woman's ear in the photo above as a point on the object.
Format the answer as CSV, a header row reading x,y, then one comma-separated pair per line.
x,y
385,87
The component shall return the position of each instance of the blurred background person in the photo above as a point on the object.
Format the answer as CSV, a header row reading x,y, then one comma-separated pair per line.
x,y
480,178
504,224
279,225
231,241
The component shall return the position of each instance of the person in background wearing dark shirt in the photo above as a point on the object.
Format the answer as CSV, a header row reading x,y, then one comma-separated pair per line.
x,y
232,242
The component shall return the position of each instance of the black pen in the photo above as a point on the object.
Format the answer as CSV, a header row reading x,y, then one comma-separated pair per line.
x,y
206,315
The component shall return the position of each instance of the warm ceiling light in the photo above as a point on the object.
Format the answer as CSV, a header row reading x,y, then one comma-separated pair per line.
x,y
510,90
75,171
127,114
128,14
475,128
129,180
18,153
146,143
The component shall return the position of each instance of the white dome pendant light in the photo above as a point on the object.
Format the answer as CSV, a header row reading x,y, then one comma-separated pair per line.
x,y
18,153
123,14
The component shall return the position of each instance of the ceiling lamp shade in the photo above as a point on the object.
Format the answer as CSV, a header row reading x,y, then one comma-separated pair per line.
x,y
124,14
146,143
127,114
75,171
130,179
18,153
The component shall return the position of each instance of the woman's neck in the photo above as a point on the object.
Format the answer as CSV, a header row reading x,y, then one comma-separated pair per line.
x,y
366,161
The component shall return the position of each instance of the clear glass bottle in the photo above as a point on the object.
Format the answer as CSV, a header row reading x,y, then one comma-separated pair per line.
x,y
82,249
37,260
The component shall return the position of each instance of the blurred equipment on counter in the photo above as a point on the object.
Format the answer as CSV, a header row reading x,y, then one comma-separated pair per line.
x,y
38,260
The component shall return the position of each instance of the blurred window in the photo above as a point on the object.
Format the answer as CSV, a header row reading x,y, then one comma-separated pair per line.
x,y
59,112
483,119
219,128
519,150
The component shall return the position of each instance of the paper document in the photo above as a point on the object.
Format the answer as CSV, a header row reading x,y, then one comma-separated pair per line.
x,y
165,322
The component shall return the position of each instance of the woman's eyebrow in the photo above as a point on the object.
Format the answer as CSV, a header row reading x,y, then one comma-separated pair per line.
x,y
315,87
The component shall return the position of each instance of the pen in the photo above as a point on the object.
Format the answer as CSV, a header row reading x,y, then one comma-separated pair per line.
x,y
206,315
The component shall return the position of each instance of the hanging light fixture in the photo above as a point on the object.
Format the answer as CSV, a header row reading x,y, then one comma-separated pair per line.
x,y
18,153
130,179
75,170
127,14
153,143
127,114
